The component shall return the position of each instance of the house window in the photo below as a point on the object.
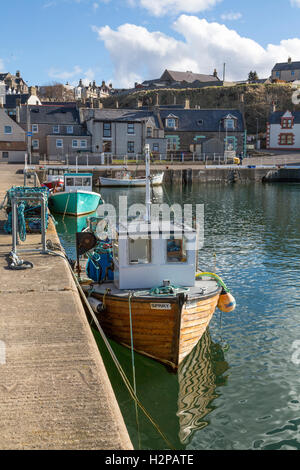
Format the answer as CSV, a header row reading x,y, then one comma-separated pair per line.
x,y
83,144
107,129
229,124
70,129
74,144
130,128
139,251
55,129
130,147
35,144
7,130
176,251
59,144
287,123
155,147
4,154
149,131
286,139
293,72
171,123
35,128
277,74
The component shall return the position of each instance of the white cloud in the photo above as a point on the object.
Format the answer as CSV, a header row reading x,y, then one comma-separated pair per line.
x,y
162,7
295,3
232,16
64,75
2,65
139,54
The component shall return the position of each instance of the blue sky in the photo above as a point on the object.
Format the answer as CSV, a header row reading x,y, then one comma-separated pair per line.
x,y
124,41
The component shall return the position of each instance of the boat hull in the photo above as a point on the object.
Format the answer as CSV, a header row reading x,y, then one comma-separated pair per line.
x,y
165,329
74,202
132,182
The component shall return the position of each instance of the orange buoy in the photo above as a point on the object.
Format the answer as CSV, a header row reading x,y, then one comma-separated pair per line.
x,y
226,302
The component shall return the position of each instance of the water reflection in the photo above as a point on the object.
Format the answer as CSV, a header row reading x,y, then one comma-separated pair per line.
x,y
198,378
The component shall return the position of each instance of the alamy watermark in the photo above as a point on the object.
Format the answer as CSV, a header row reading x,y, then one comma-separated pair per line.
x,y
296,93
154,221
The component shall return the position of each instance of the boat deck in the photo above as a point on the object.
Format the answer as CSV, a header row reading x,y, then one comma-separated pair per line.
x,y
202,288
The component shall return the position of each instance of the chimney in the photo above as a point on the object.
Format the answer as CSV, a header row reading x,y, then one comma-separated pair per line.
x,y
18,74
215,74
289,60
187,104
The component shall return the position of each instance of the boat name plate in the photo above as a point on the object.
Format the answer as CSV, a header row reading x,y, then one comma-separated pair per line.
x,y
161,306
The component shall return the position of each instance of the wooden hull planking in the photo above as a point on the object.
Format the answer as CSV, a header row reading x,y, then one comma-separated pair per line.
x,y
165,329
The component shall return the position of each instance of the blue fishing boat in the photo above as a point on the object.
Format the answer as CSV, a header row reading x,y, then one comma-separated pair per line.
x,y
76,197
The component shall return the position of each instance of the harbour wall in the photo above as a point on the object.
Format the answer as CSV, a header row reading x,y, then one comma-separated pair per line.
x,y
181,174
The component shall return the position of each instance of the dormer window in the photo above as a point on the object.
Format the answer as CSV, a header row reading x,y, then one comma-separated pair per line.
x,y
171,123
229,124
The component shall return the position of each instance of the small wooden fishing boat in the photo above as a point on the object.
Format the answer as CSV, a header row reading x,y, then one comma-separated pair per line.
x,y
125,179
76,197
164,327
147,294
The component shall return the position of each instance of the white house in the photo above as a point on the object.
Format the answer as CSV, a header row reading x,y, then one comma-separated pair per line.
x,y
283,131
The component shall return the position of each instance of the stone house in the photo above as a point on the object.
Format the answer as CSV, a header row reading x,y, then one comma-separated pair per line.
x,y
287,71
119,132
55,131
12,140
14,83
203,131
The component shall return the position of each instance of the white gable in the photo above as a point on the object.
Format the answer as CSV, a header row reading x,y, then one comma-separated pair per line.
x,y
287,114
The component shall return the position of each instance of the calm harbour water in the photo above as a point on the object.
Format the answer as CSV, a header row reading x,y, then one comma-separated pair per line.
x,y
240,387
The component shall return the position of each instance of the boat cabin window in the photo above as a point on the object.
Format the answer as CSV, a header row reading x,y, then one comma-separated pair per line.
x,y
176,251
78,181
139,251
69,181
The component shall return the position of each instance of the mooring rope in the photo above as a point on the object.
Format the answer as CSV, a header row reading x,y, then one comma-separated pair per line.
x,y
133,367
113,356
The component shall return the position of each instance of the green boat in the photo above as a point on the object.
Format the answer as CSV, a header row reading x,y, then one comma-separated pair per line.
x,y
76,197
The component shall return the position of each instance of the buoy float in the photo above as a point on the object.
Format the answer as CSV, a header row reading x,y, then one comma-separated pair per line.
x,y
226,302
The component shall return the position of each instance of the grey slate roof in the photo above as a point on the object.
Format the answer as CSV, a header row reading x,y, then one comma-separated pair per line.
x,y
286,66
275,118
64,115
188,77
124,115
203,120
11,100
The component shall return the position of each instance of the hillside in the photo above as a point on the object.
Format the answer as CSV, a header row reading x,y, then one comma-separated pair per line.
x,y
255,99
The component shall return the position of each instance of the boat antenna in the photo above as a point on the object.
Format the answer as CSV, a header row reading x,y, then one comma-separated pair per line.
x,y
148,183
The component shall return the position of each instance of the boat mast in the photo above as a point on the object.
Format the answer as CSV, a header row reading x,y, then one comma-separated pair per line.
x,y
148,183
